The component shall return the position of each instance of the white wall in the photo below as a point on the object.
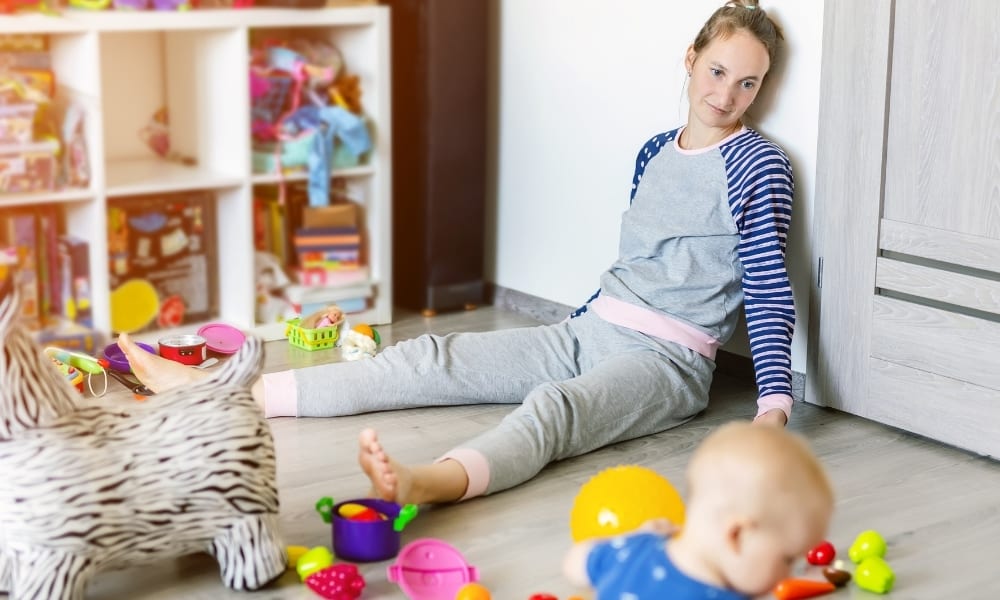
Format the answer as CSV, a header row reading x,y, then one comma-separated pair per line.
x,y
578,87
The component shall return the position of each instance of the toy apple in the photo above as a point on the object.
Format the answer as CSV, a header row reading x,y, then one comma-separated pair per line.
x,y
821,555
874,575
868,543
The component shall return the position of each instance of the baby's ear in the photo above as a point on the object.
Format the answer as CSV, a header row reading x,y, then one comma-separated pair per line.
x,y
737,530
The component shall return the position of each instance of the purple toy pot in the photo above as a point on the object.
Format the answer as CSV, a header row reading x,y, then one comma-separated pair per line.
x,y
366,541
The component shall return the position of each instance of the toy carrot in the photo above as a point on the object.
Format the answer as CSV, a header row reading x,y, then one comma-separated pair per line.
x,y
799,589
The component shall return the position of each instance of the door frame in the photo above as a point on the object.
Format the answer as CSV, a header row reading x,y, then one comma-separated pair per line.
x,y
853,113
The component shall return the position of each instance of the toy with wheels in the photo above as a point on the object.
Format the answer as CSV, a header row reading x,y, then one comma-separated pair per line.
x,y
620,499
89,487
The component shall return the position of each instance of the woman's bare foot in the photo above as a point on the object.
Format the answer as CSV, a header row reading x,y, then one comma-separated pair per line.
x,y
442,481
155,372
390,480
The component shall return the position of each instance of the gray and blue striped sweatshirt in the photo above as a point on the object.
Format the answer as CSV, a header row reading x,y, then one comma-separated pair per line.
x,y
705,233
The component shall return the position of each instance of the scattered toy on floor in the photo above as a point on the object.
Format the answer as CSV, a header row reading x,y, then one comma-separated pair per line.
x,y
620,499
88,488
823,554
801,589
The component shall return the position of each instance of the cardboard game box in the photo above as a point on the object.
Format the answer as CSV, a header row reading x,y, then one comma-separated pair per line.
x,y
162,260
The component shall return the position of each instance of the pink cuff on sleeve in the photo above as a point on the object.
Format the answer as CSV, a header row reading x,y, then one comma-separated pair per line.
x,y
476,467
280,395
773,401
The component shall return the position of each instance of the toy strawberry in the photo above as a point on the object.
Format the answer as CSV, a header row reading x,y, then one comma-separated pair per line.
x,y
337,582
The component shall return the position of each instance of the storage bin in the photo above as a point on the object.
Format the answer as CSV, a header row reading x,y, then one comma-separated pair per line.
x,y
310,339
17,123
28,167
295,155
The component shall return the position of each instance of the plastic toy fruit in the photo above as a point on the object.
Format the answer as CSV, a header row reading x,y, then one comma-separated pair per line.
x,y
874,575
837,577
620,499
316,559
799,589
868,543
368,330
338,582
823,554
473,591
351,509
294,554
542,596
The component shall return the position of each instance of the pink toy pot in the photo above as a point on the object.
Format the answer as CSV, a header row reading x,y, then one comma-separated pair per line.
x,y
431,569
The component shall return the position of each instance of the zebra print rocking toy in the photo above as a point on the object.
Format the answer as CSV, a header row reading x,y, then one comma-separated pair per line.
x,y
87,487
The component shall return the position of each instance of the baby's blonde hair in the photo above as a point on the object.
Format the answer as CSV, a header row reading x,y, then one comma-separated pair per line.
x,y
761,469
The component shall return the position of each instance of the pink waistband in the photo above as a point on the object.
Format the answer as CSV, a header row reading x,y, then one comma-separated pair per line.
x,y
655,324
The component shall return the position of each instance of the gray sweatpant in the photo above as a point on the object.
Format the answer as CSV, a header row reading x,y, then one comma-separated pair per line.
x,y
582,384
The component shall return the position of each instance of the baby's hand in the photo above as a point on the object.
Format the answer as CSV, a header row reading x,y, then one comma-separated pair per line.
x,y
661,526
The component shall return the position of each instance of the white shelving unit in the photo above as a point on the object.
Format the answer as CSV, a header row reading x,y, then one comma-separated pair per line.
x,y
123,66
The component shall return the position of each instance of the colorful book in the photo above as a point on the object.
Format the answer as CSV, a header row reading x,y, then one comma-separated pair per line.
x,y
346,275
49,269
21,234
74,254
332,241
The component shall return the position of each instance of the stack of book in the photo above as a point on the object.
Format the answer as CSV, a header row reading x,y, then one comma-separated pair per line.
x,y
51,273
325,252
330,268
320,247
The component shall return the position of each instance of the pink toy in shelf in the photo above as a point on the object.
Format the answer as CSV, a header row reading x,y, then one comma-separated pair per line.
x,y
431,569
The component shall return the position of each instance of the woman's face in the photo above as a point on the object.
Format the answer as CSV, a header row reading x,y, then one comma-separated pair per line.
x,y
725,78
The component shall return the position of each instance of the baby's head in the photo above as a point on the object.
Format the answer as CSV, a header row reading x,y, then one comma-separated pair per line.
x,y
758,499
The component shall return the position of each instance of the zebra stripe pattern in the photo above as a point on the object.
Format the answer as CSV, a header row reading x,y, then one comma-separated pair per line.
x,y
32,391
88,486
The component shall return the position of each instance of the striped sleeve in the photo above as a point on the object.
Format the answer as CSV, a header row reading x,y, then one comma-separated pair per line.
x,y
760,198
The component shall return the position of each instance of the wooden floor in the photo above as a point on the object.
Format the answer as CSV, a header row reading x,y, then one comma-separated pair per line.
x,y
939,508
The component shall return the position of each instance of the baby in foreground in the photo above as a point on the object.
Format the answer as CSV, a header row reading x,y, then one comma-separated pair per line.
x,y
758,499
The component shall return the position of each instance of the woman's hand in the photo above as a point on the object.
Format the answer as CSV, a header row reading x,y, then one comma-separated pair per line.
x,y
775,417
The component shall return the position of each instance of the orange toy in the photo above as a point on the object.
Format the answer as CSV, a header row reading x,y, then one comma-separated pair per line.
x,y
473,591
799,589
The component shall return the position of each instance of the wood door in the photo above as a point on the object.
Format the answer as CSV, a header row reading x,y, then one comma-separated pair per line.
x,y
908,219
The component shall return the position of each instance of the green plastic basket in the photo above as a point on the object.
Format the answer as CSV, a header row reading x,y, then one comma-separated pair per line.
x,y
310,339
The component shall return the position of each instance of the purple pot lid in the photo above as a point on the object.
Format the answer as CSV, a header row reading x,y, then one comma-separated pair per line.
x,y
116,358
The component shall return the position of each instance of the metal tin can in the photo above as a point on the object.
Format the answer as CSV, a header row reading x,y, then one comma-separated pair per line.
x,y
186,349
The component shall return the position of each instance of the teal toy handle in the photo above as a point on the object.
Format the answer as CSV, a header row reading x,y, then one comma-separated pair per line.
x,y
406,514
87,364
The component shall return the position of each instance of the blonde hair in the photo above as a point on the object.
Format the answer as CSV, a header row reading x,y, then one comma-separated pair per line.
x,y
741,15
755,464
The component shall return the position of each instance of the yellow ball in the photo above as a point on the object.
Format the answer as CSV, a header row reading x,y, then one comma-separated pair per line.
x,y
620,499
